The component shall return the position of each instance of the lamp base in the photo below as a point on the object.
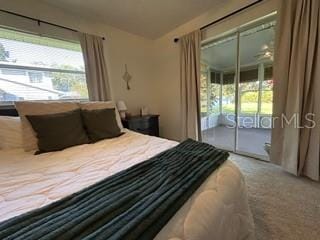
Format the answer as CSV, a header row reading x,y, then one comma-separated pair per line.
x,y
123,114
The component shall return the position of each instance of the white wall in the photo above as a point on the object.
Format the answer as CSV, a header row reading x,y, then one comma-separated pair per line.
x,y
167,56
120,48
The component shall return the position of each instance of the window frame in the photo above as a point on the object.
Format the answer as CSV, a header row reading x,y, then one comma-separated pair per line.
x,y
30,68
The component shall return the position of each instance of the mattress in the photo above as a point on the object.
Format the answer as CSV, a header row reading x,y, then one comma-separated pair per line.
x,y
217,210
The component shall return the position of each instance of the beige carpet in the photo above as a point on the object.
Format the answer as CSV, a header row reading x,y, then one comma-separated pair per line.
x,y
283,206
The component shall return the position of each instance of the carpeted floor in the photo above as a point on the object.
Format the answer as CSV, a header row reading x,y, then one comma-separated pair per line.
x,y
283,206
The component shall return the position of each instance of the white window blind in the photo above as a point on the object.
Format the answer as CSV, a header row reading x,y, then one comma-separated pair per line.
x,y
34,67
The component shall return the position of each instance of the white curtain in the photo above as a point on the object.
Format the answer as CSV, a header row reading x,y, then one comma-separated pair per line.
x,y
295,144
96,68
190,46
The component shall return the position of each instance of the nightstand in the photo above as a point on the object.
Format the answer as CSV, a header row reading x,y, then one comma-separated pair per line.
x,y
148,124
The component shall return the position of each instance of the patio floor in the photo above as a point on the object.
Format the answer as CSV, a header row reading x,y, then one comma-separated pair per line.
x,y
250,140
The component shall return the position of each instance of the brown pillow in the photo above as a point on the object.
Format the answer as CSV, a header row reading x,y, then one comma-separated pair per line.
x,y
101,124
58,131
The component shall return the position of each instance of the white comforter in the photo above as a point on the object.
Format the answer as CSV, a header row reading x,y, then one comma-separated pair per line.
x,y
218,210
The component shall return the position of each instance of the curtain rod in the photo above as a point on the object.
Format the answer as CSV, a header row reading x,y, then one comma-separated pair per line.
x,y
41,21
226,16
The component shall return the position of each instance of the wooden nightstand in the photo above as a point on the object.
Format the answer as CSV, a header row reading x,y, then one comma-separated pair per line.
x,y
148,124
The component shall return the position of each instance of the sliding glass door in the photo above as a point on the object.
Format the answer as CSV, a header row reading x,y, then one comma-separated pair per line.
x,y
218,93
237,89
255,89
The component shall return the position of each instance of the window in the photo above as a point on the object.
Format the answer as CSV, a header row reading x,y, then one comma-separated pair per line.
x,y
33,67
209,91
35,77
204,89
214,92
249,91
267,91
228,93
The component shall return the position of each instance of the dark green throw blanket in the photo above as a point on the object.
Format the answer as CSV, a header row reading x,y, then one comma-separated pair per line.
x,y
133,204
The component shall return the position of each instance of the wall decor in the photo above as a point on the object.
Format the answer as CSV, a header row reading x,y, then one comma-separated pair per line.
x,y
127,77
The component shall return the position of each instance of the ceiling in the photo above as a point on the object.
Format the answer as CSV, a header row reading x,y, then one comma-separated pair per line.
x,y
147,18
222,56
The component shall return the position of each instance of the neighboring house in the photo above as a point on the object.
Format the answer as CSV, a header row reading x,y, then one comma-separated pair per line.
x,y
18,84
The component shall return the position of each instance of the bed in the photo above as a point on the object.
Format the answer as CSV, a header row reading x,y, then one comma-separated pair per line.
x,y
217,210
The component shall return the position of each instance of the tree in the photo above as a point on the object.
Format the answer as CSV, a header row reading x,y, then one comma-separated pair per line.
x,y
69,82
3,53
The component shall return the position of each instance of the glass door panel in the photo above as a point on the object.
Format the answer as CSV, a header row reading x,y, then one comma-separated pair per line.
x,y
255,89
218,67
237,89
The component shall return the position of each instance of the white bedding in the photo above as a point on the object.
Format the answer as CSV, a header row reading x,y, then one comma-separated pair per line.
x,y
218,210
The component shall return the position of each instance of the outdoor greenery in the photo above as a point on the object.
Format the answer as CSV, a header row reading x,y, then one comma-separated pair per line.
x,y
248,102
246,107
249,108
69,82
208,89
3,53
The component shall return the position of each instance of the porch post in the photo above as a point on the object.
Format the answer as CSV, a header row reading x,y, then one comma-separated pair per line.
x,y
261,79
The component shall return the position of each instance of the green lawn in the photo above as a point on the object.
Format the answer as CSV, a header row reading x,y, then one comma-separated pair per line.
x,y
249,108
246,108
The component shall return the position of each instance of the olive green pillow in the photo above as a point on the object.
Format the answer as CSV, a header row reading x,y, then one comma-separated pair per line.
x,y
101,124
58,131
